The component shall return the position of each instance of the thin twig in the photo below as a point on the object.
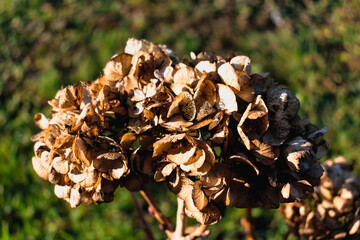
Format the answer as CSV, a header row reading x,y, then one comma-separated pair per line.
x,y
162,219
181,219
144,224
197,232
248,224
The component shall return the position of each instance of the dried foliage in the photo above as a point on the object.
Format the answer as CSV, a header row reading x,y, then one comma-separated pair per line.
x,y
332,210
217,134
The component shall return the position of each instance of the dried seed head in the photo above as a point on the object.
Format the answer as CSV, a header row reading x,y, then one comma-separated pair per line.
x,y
216,134
330,211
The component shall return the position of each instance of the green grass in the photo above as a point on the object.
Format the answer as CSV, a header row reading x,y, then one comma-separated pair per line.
x,y
48,44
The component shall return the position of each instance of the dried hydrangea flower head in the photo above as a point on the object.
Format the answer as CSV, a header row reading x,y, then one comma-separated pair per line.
x,y
332,210
217,134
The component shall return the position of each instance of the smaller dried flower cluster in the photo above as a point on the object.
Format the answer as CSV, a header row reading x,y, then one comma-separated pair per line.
x,y
332,210
84,166
217,134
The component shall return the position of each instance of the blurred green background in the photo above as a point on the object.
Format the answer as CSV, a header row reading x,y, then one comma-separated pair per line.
x,y
312,47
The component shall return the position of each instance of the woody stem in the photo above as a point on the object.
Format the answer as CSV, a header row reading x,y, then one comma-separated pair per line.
x,y
181,219
199,231
144,224
248,224
162,219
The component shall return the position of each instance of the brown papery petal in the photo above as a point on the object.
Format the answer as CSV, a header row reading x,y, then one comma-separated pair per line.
x,y
75,174
296,190
57,178
247,92
117,173
180,87
112,160
167,170
82,152
86,198
39,148
133,46
206,55
227,99
177,123
241,63
117,67
62,146
209,215
206,90
198,196
60,165
141,161
128,83
244,117
195,162
259,109
40,170
75,198
181,155
183,187
71,97
62,191
296,150
142,65
92,177
163,145
205,66
229,76
139,125
217,119
185,75
183,103
201,124
137,95
210,156
355,228
264,152
203,109
127,140
242,158
213,185
41,121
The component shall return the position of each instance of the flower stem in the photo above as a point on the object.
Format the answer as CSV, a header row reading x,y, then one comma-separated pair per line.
x,y
200,230
144,224
162,219
248,224
181,219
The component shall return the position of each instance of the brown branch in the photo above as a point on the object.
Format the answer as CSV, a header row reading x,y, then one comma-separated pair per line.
x,y
248,224
197,232
180,220
145,226
162,219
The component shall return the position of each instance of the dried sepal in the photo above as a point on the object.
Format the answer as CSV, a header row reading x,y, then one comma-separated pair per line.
x,y
183,79
67,98
241,63
206,66
198,196
41,121
41,170
184,105
227,99
229,76
254,122
118,67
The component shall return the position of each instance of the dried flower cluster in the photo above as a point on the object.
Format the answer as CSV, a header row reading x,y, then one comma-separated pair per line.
x,y
332,210
217,134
